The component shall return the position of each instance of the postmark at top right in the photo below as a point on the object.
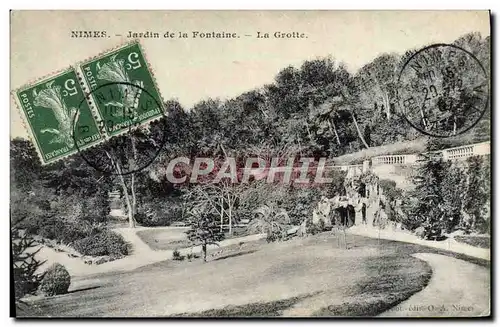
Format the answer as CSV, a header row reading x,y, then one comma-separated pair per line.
x,y
443,90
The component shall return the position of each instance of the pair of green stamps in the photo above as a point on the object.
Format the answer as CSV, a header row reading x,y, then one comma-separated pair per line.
x,y
91,102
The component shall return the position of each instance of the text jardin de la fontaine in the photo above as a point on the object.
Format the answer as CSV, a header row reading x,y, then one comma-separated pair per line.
x,y
192,34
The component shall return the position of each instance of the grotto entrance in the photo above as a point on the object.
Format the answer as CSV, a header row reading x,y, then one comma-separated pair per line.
x,y
344,216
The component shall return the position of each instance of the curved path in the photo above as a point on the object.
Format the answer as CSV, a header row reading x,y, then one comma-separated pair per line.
x,y
400,236
457,289
141,255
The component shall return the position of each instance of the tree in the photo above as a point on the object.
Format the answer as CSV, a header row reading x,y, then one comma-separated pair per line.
x,y
377,81
325,114
283,93
25,165
123,158
428,206
476,196
453,200
204,228
25,265
348,97
222,198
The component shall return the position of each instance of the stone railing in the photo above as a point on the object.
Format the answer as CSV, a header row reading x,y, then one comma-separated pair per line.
x,y
458,153
466,151
400,159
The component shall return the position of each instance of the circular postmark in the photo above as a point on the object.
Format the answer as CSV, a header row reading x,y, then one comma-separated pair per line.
x,y
131,145
443,90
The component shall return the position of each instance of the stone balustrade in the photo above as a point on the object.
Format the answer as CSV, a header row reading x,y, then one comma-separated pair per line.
x,y
400,159
457,153
466,151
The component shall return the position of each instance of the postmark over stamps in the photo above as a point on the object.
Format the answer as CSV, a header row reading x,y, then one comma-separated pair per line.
x,y
443,90
116,80
50,107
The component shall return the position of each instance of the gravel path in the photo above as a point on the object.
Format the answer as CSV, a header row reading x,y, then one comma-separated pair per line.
x,y
448,245
457,289
141,255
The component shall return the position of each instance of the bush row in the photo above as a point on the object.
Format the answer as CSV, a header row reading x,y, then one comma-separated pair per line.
x,y
103,243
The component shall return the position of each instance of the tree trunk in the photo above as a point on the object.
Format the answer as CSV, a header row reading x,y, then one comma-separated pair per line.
x,y
358,130
128,201
387,107
134,198
223,150
230,214
345,238
309,132
204,249
334,130
263,112
221,215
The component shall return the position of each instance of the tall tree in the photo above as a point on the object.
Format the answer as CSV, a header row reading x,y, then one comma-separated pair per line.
x,y
377,82
476,196
428,205
453,200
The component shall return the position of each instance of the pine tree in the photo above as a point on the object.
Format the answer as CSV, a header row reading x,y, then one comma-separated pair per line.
x,y
452,199
476,196
24,264
428,207
205,229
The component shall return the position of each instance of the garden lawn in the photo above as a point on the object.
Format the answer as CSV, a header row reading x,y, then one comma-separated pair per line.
x,y
167,238
164,238
312,276
477,241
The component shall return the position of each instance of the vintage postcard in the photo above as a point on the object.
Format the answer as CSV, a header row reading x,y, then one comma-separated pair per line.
x,y
250,164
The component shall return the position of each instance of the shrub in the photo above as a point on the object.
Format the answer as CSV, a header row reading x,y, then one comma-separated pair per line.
x,y
271,237
103,243
191,256
51,226
420,232
24,264
176,255
314,229
159,213
55,281
276,236
321,225
389,188
96,209
433,232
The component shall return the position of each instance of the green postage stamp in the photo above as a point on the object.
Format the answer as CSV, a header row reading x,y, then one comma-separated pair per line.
x,y
122,88
100,98
51,108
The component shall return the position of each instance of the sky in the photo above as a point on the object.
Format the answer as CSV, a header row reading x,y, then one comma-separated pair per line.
x,y
191,69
